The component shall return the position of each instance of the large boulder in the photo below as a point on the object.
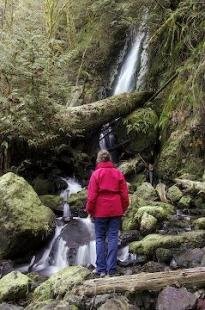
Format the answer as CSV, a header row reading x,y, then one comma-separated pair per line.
x,y
24,221
61,283
140,129
172,298
148,223
174,193
150,243
14,286
145,192
54,202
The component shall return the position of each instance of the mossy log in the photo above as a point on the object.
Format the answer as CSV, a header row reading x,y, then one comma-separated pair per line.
x,y
87,117
191,186
143,282
47,127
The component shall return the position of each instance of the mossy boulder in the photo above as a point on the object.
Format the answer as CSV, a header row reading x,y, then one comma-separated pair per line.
x,y
150,243
174,194
140,127
77,200
145,192
159,210
131,166
148,223
24,221
200,223
185,202
164,255
14,286
61,283
54,202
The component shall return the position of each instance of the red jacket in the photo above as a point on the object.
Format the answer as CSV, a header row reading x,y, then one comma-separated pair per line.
x,y
107,192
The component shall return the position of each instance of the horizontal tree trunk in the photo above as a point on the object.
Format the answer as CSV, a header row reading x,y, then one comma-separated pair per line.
x,y
82,119
142,282
191,186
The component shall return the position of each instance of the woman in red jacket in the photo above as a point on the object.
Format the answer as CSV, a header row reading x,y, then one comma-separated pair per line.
x,y
107,201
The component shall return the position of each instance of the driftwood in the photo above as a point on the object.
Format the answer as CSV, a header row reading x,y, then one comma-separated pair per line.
x,y
193,277
191,186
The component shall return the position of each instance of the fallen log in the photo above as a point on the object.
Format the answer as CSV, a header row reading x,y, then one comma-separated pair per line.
x,y
49,124
193,277
191,186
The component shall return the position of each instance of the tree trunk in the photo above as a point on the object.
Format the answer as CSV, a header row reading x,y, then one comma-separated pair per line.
x,y
191,186
142,282
82,119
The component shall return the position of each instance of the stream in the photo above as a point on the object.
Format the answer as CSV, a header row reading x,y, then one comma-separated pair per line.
x,y
73,242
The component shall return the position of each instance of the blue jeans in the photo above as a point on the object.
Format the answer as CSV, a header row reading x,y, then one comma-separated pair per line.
x,y
107,251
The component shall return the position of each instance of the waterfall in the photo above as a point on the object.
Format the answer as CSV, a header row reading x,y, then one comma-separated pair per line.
x,y
130,76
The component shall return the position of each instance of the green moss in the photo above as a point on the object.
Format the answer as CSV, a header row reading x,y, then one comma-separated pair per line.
x,y
150,243
60,283
145,192
200,223
77,200
51,201
148,222
174,193
23,217
14,286
185,202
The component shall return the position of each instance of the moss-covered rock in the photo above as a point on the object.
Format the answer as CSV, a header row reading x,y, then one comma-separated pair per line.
x,y
185,202
158,210
148,223
174,193
77,200
145,192
132,166
24,221
52,201
140,127
60,283
150,243
163,255
200,223
14,286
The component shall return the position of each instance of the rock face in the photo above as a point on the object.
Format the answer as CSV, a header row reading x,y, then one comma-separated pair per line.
x,y
175,299
24,220
61,283
14,286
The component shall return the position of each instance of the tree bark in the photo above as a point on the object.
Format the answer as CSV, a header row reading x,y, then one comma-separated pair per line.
x,y
142,282
191,186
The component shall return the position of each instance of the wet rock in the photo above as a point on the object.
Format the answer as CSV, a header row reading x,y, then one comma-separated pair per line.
x,y
200,223
61,283
153,267
164,255
146,192
190,258
174,194
175,299
6,266
5,306
24,221
185,202
76,233
199,202
150,243
14,286
51,305
148,223
54,202
117,303
129,236
98,300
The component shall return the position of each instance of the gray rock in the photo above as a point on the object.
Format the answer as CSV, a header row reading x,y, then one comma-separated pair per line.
x,y
50,305
6,266
190,258
118,303
172,298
